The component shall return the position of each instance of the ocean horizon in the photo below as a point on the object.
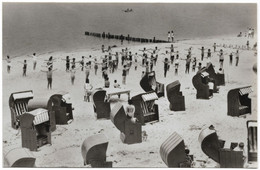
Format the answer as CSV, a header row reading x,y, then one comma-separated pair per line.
x,y
46,27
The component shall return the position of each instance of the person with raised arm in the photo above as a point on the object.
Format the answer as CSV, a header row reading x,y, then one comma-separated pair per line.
x,y
34,60
49,77
202,52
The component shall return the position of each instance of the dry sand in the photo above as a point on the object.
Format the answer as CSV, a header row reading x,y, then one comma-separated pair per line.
x,y
65,150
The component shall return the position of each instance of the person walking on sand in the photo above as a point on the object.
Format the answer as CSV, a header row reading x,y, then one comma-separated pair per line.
x,y
49,77
24,67
8,60
166,66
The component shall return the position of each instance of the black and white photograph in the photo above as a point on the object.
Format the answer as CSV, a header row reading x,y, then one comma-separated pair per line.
x,y
158,84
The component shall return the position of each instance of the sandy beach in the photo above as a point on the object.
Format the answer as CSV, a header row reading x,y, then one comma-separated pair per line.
x,y
65,150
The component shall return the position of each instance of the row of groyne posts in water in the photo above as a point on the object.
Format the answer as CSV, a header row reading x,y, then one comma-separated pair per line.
x,y
122,37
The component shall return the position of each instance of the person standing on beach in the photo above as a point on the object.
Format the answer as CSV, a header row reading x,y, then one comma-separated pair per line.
x,y
124,75
82,63
188,60
230,58
24,67
8,60
209,54
72,74
103,48
202,52
87,88
135,59
221,58
67,63
87,70
34,60
194,63
172,56
214,46
172,36
169,36
247,45
237,57
49,77
166,66
176,66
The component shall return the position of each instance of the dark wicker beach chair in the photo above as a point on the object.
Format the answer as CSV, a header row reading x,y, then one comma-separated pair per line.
x,y
101,107
145,108
35,129
214,148
149,83
252,140
175,97
60,105
238,101
131,132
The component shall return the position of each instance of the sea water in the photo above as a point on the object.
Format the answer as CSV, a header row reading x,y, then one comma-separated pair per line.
x,y
46,27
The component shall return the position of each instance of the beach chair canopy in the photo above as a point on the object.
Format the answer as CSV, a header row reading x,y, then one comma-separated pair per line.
x,y
40,116
149,97
118,117
172,150
245,90
94,148
34,117
20,157
204,74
